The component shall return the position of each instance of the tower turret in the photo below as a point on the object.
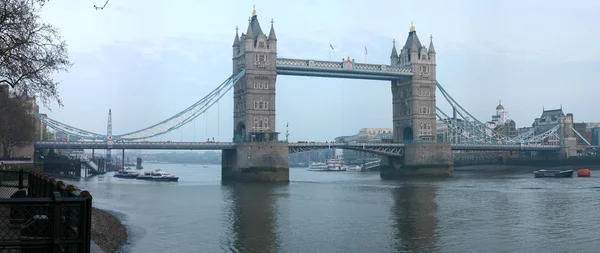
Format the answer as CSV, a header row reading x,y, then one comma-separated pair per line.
x,y
236,43
394,56
412,47
414,44
431,52
249,35
272,40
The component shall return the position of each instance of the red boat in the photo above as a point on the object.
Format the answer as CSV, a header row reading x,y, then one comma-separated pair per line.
x,y
583,173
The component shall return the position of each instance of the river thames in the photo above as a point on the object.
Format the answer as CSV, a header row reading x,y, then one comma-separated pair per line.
x,y
353,212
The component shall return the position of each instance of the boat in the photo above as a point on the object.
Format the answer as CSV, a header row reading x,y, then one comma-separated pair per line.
x,y
355,168
157,175
126,174
336,164
584,173
317,166
553,173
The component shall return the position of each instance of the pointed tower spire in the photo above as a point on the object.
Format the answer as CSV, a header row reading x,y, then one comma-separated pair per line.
x,y
394,52
272,32
249,33
236,41
431,49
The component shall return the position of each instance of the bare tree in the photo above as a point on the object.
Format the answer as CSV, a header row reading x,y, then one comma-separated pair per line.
x,y
30,51
17,126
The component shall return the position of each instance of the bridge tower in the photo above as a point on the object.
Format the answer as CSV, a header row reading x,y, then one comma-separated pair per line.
x,y
108,162
414,113
568,141
259,155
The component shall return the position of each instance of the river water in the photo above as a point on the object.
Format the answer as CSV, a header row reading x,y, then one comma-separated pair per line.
x,y
353,212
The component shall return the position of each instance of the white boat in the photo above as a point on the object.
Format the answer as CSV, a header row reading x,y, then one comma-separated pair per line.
x,y
317,166
355,168
336,164
158,175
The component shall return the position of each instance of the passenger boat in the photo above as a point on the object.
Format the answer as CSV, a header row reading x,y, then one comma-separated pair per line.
x,y
553,173
317,166
355,168
336,164
158,175
126,174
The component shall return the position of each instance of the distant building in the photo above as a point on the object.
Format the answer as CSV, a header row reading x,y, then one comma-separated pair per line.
x,y
502,124
460,135
581,128
368,134
590,125
509,128
595,136
364,135
466,129
28,149
501,116
550,119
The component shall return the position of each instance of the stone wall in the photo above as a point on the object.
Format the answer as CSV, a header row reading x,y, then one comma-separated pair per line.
x,y
420,160
256,161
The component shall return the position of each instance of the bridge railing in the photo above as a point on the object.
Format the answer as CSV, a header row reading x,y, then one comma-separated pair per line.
x,y
339,65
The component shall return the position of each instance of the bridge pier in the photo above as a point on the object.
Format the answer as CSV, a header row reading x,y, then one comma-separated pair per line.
x,y
256,161
568,147
420,160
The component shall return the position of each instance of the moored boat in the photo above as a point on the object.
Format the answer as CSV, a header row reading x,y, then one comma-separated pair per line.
x,y
126,174
355,168
336,164
158,175
553,173
583,173
317,166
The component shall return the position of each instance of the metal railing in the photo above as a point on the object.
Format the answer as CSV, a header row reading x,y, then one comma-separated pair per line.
x,y
43,215
11,181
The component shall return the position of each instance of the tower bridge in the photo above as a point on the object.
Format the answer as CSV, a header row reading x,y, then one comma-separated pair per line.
x,y
256,153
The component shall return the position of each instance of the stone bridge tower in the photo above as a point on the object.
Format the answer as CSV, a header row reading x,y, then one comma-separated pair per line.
x,y
414,112
259,156
414,98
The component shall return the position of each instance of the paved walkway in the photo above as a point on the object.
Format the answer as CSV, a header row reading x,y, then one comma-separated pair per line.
x,y
95,248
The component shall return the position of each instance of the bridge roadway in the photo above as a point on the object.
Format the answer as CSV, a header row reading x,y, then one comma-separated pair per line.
x,y
392,149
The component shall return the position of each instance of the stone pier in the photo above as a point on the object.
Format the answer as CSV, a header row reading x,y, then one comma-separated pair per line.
x,y
420,160
256,161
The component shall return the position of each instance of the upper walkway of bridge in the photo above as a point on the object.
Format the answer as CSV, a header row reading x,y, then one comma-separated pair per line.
x,y
340,69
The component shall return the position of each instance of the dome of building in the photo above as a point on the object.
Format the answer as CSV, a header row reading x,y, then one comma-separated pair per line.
x,y
499,107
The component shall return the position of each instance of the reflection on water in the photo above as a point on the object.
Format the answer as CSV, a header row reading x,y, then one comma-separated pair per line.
x,y
252,216
414,217
353,212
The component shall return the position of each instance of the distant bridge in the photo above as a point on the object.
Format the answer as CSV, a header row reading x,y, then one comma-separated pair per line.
x,y
386,149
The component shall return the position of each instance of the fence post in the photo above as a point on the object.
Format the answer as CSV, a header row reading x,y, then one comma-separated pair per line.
x,y
20,179
86,223
56,221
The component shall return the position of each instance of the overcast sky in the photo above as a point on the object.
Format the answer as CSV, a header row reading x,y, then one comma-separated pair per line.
x,y
148,59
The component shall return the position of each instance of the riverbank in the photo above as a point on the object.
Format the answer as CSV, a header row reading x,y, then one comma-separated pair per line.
x,y
107,231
